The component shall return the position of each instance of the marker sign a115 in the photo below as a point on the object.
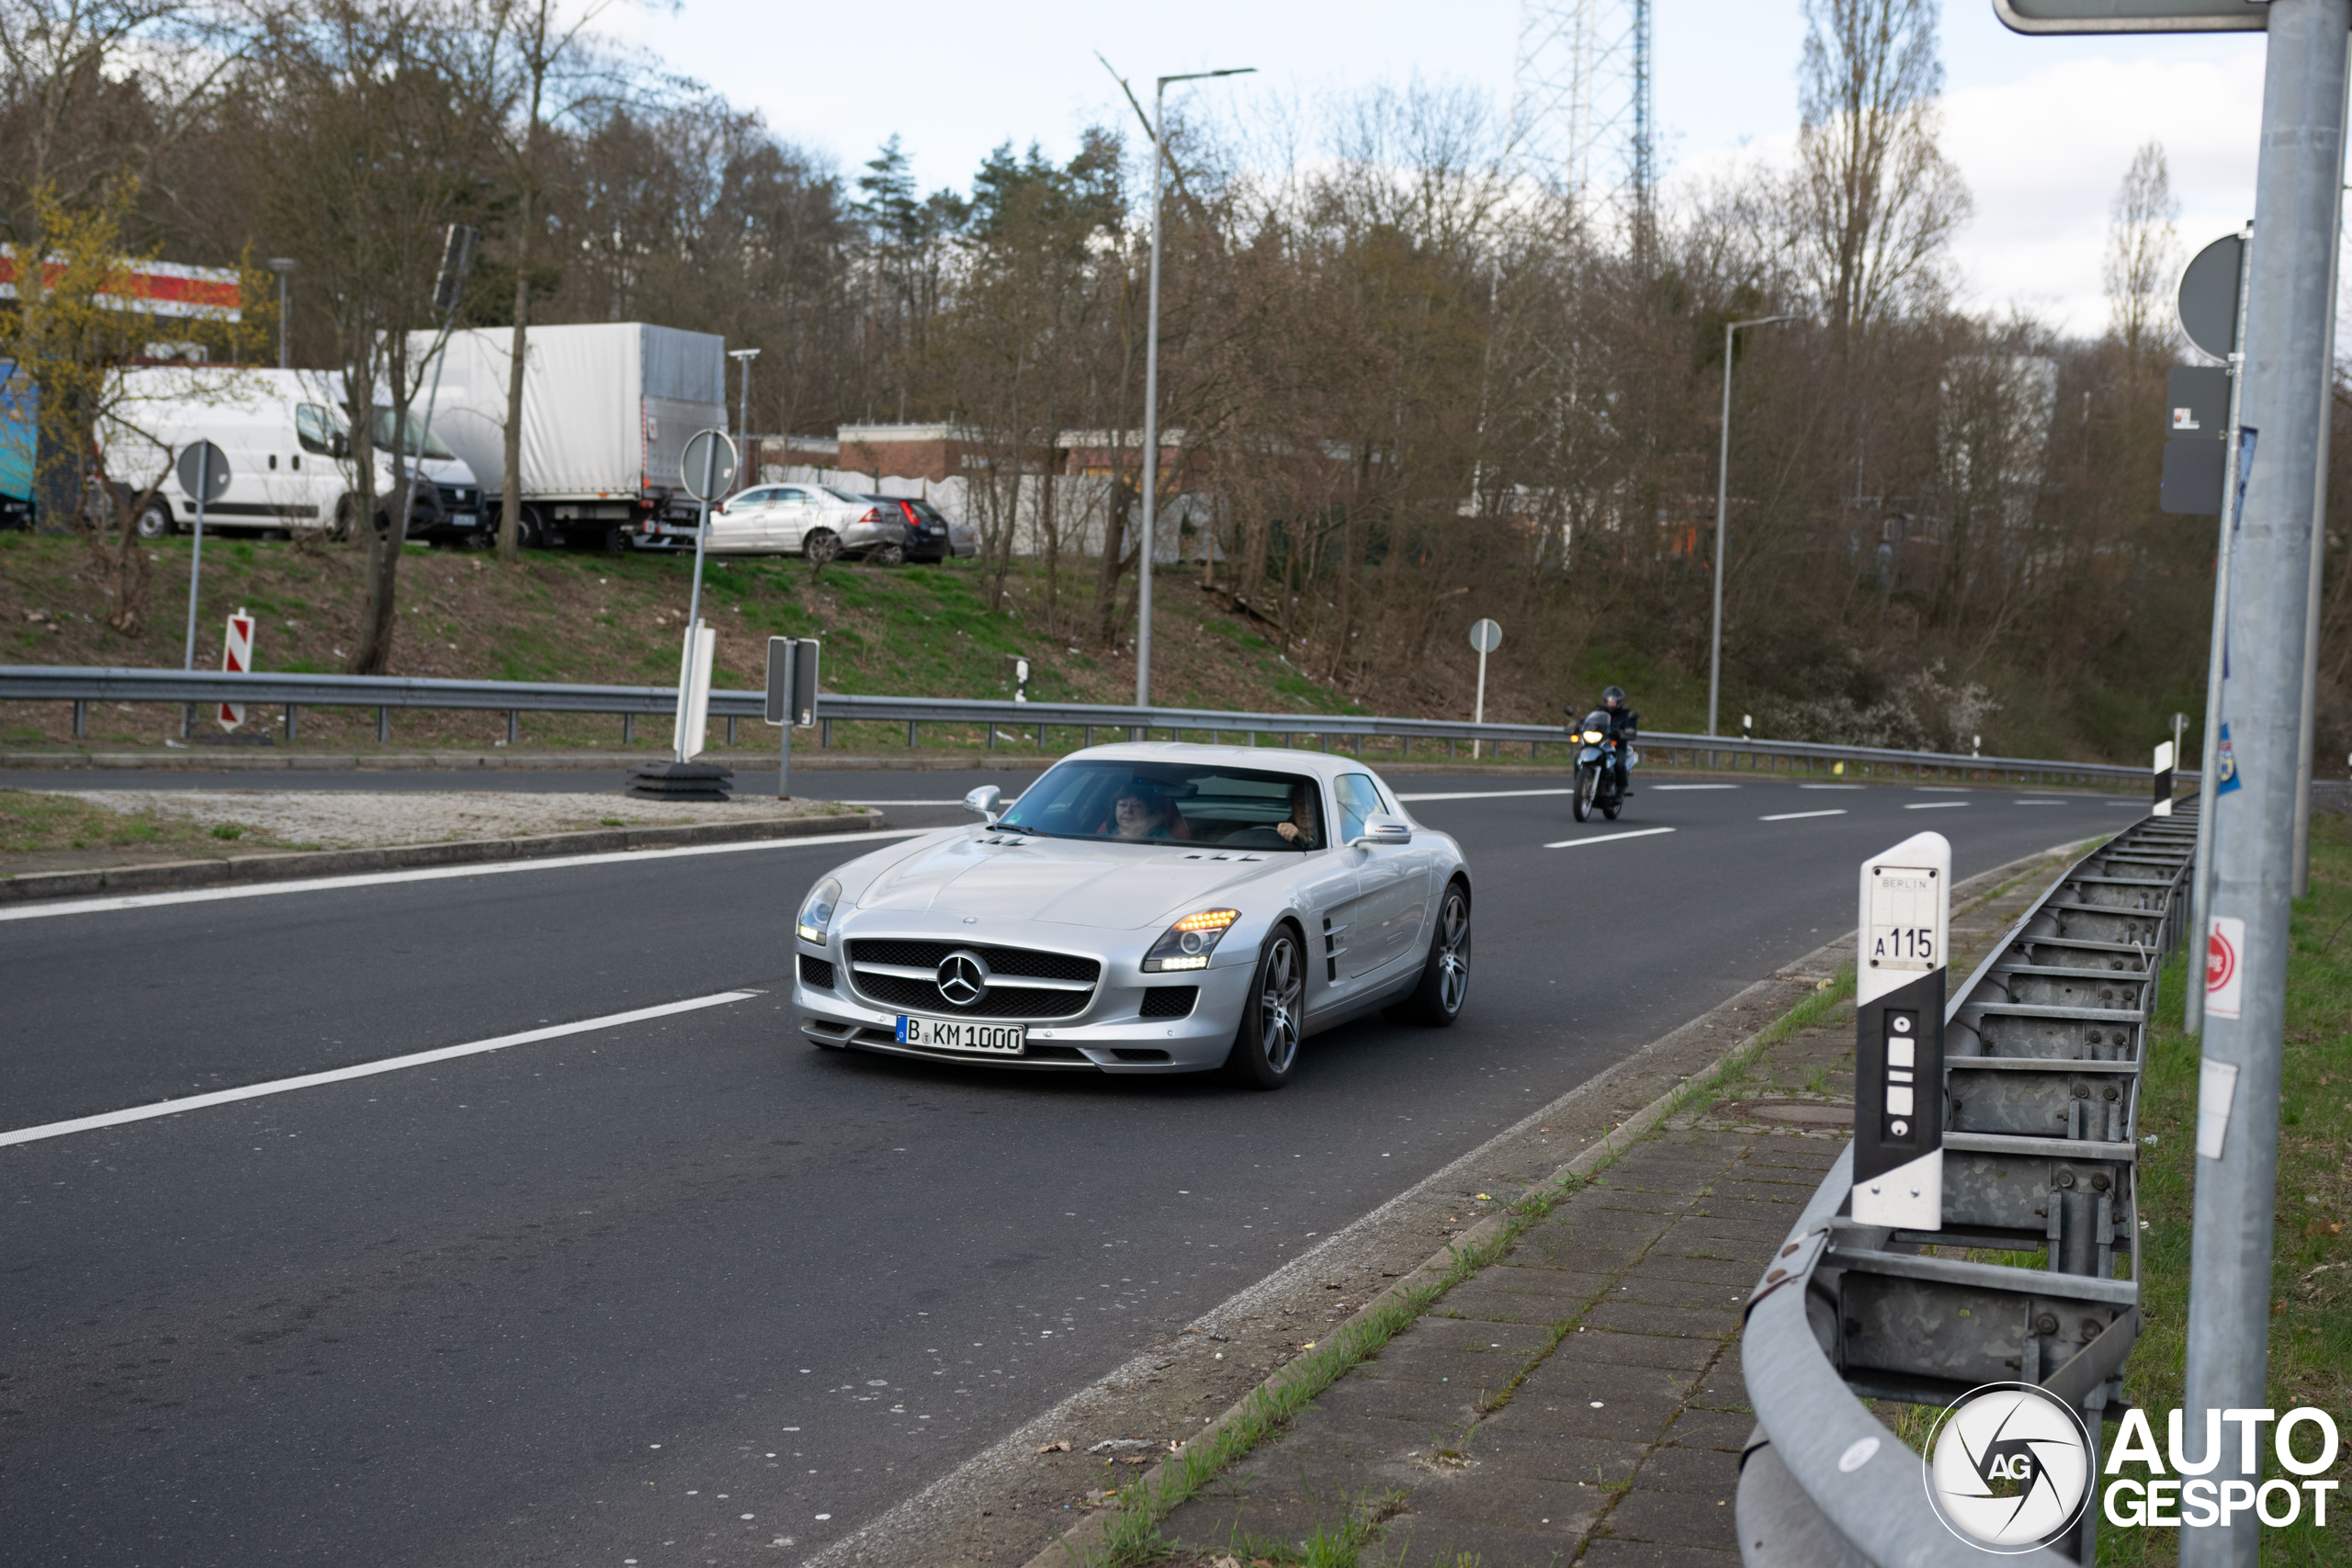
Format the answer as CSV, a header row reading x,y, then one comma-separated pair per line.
x,y
1904,905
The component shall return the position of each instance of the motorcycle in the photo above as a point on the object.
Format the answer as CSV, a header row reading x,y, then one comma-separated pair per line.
x,y
1596,757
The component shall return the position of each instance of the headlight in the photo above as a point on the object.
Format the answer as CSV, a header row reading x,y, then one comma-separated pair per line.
x,y
1188,943
1592,737
817,911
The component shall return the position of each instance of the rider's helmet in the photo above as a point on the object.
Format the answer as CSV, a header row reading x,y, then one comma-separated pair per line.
x,y
1613,698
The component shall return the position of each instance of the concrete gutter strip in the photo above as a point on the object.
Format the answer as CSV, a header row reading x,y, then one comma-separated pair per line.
x,y
174,876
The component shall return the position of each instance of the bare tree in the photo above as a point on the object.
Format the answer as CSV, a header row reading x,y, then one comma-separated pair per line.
x,y
1875,201
2142,256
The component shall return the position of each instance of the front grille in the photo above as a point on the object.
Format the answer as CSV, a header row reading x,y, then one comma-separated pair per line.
x,y
816,972
1002,1000
1170,1001
1008,967
1014,961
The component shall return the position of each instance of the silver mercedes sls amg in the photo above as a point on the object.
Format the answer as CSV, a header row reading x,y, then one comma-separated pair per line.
x,y
1143,908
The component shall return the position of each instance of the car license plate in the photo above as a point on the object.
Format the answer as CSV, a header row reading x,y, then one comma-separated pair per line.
x,y
466,519
947,1035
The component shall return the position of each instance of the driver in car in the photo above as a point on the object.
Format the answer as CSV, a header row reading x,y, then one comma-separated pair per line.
x,y
1300,828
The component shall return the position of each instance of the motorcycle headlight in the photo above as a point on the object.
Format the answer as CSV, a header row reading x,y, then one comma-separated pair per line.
x,y
817,911
1592,737
1188,943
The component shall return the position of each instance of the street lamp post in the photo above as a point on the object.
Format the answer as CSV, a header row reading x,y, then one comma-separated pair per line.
x,y
743,358
1151,388
1722,505
282,266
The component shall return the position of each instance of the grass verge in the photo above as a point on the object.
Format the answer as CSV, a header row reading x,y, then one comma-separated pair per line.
x,y
2310,1259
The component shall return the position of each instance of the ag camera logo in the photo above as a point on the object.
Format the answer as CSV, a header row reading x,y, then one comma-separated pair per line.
x,y
2007,1467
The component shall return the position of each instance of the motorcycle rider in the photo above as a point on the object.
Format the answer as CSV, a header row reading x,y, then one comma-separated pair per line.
x,y
1624,726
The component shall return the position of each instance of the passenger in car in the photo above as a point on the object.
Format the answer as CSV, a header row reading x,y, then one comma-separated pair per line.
x,y
1143,811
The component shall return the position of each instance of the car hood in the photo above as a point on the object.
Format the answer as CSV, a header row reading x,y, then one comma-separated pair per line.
x,y
1062,882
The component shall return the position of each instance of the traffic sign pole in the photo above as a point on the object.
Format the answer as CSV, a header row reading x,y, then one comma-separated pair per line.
x,y
2252,834
2200,874
703,452
202,469
1486,636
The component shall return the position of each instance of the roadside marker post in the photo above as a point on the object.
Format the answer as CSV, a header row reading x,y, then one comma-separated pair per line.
x,y
237,659
1899,978
2163,771
792,697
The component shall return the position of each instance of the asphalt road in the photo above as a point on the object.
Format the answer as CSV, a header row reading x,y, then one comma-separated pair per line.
x,y
686,1284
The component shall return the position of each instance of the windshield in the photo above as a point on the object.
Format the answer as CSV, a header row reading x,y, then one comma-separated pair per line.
x,y
421,443
851,497
1202,803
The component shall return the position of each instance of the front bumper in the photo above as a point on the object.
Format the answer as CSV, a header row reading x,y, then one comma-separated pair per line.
x,y
1110,1035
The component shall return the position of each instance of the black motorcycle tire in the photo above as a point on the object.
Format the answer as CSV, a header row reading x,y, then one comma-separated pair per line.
x,y
1587,780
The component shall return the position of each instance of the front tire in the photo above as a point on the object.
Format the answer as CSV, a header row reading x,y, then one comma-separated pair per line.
x,y
1446,978
1588,783
1265,1051
155,521
890,555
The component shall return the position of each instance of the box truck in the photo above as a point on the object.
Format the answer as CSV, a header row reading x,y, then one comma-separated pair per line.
x,y
19,443
608,411
288,447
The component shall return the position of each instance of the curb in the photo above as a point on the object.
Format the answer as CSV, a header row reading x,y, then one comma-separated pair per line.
x,y
175,875
1075,1546
209,762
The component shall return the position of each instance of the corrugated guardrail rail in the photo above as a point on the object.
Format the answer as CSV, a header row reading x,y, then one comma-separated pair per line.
x,y
83,685
2042,1055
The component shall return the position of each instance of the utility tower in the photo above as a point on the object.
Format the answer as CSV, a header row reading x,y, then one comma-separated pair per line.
x,y
1581,121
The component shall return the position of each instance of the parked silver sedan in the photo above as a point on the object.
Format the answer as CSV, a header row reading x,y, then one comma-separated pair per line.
x,y
1143,908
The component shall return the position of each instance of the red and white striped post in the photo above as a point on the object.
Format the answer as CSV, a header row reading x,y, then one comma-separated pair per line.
x,y
237,659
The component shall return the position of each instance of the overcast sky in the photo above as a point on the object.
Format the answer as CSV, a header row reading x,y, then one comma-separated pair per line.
x,y
2042,128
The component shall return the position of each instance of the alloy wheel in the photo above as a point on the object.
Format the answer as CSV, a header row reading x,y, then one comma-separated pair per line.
x,y
1278,1002
1454,953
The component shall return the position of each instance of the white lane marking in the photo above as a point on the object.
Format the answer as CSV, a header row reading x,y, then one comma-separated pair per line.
x,y
2037,803
1794,816
1690,786
1833,786
1487,794
362,1069
897,802
1941,789
433,874
1934,805
1607,838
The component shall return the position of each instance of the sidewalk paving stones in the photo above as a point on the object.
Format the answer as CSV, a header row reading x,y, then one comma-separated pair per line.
x,y
1578,1401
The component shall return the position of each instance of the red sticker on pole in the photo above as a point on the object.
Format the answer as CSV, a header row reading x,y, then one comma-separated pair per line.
x,y
237,659
2224,967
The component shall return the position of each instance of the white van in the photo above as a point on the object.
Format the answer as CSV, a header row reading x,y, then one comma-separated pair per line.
x,y
288,445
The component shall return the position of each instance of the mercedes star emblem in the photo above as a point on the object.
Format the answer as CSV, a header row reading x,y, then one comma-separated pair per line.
x,y
963,979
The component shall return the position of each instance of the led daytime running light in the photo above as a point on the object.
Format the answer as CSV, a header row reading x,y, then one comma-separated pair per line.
x,y
1207,920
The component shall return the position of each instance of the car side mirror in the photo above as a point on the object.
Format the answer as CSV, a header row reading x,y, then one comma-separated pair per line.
x,y
988,801
1381,829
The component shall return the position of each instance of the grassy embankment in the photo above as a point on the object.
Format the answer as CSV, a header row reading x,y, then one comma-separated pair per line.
x,y
39,824
573,617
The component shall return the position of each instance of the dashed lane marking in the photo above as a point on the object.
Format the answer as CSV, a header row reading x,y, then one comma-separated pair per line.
x,y
1606,838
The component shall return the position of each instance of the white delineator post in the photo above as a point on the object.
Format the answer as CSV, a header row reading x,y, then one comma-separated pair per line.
x,y
1899,982
2162,786
237,659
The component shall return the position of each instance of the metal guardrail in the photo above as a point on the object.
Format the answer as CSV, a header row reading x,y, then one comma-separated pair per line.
x,y
83,685
2042,1055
